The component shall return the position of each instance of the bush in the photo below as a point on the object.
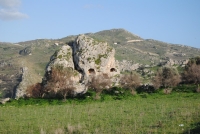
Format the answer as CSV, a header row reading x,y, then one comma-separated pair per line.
x,y
59,82
35,91
195,60
192,74
166,77
130,81
190,88
99,83
146,89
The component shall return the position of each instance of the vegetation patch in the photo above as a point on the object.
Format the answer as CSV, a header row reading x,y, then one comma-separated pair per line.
x,y
98,60
89,59
60,56
68,55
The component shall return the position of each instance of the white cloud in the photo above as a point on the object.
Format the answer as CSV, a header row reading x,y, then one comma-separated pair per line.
x,y
9,10
10,3
11,15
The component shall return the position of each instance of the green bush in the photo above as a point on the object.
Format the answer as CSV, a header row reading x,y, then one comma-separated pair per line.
x,y
185,88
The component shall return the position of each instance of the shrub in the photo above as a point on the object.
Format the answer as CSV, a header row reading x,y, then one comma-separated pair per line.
x,y
191,74
35,91
166,77
59,82
130,81
195,60
146,89
99,83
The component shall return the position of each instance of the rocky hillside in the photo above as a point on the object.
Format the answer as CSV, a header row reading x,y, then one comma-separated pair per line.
x,y
85,57
131,51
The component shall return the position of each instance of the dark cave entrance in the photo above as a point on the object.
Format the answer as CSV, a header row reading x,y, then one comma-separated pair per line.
x,y
91,71
113,70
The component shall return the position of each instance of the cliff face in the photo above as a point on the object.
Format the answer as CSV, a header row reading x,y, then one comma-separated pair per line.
x,y
86,57
92,57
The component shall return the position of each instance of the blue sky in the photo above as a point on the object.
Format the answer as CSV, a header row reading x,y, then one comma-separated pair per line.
x,y
172,21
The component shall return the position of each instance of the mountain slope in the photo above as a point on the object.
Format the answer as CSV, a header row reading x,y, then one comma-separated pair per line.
x,y
130,49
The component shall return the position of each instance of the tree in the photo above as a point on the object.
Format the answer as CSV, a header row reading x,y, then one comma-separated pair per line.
x,y
60,82
166,77
130,81
35,91
99,83
192,71
195,60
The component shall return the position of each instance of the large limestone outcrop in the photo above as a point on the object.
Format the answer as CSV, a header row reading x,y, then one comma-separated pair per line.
x,y
92,57
87,57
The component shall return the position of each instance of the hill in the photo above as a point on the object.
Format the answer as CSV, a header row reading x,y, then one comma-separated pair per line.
x,y
132,52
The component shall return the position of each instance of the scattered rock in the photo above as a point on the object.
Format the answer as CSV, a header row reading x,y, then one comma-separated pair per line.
x,y
3,101
25,51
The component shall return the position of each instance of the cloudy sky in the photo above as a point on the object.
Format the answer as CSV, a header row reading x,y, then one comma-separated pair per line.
x,y
172,21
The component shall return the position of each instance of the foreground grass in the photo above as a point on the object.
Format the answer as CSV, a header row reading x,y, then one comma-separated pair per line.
x,y
175,113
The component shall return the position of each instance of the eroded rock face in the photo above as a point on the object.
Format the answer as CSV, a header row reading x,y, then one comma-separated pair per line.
x,y
87,57
92,57
62,57
127,65
21,88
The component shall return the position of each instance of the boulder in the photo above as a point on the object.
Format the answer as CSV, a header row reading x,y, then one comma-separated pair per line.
x,y
25,51
3,101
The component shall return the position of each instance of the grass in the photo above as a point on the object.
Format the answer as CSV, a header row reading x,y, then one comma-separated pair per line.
x,y
142,113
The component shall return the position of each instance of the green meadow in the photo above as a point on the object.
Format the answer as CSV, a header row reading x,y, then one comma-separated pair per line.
x,y
139,114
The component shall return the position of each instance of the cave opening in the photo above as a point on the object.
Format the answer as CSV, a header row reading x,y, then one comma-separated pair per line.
x,y
91,71
113,70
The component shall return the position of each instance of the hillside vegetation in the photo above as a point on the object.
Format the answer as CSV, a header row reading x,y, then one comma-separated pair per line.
x,y
35,54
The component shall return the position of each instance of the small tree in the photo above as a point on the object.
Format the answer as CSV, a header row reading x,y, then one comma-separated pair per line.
x,y
195,60
192,72
60,82
35,91
130,81
166,77
99,83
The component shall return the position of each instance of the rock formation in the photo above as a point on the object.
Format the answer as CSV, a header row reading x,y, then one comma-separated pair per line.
x,y
25,51
21,88
63,57
92,57
87,57
125,65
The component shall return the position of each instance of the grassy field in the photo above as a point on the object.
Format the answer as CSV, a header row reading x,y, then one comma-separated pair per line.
x,y
145,113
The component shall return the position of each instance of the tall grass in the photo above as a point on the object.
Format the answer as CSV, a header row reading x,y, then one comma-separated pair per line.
x,y
175,113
